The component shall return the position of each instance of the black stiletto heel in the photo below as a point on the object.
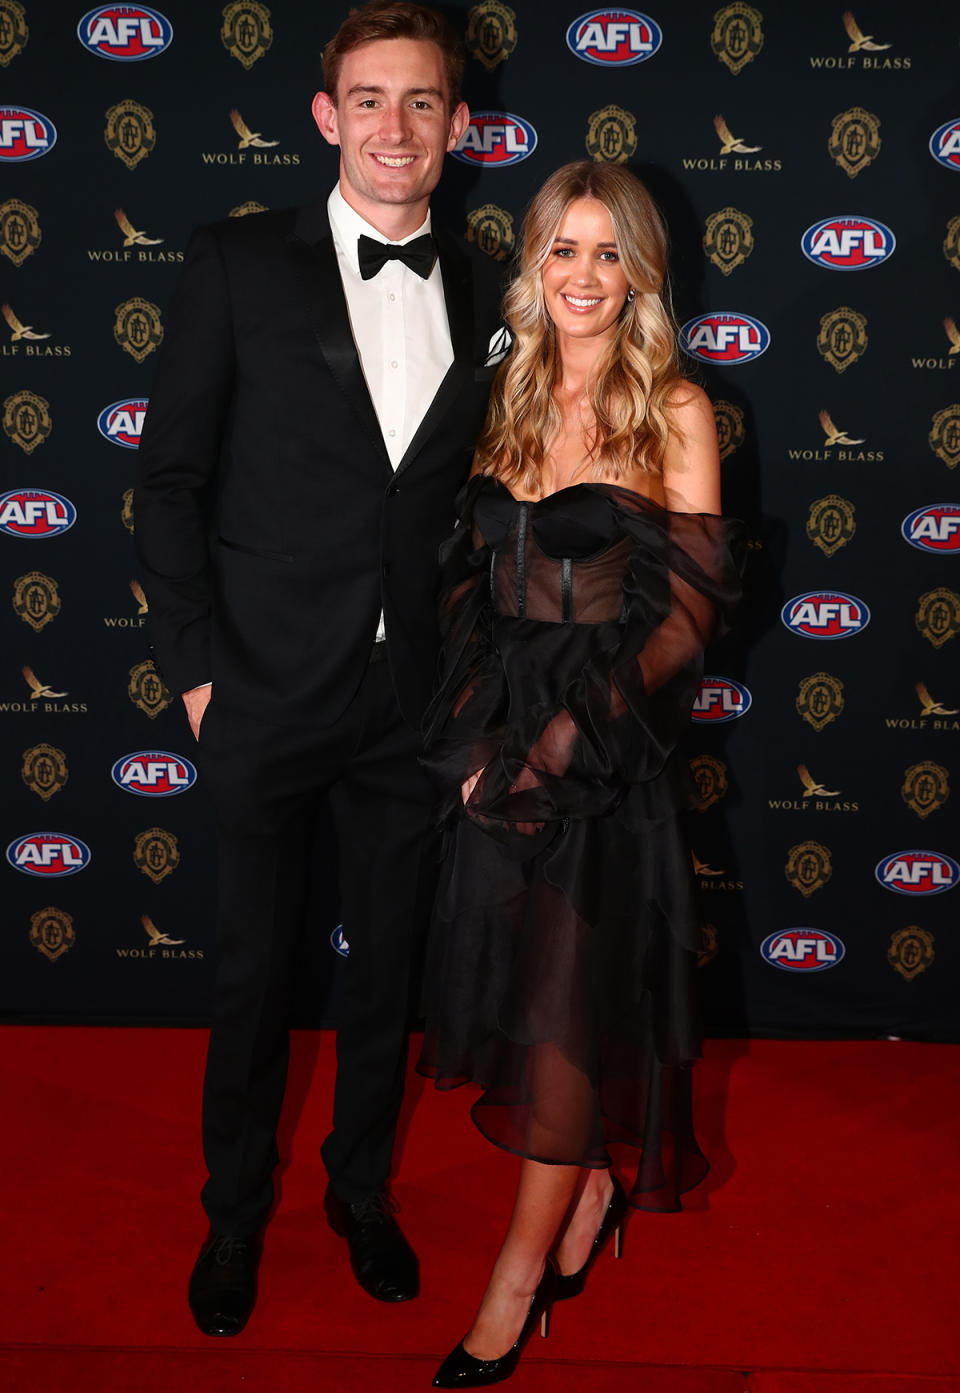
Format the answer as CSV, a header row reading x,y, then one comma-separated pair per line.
x,y
462,1370
612,1223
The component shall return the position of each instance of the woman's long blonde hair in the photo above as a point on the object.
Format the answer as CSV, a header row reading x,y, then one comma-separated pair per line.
x,y
636,371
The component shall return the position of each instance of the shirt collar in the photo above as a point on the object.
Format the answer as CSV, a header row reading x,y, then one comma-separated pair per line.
x,y
346,224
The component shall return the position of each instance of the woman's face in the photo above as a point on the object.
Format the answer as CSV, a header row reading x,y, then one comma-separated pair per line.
x,y
584,285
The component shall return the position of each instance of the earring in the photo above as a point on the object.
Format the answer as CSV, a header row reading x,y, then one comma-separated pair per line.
x,y
631,295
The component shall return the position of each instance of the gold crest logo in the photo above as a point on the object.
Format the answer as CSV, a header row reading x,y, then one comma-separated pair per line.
x,y
155,936
709,944
737,35
18,330
155,853
811,789
246,33
491,229
131,237
944,435
951,243
491,33
854,140
26,420
925,788
808,867
730,428
126,510
911,951
19,230
147,689
842,339
44,770
137,327
13,31
834,436
930,705
728,239
819,699
51,932
830,525
938,615
242,209
130,133
611,135
710,777
36,599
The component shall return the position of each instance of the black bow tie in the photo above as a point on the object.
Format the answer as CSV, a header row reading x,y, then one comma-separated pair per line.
x,y
419,255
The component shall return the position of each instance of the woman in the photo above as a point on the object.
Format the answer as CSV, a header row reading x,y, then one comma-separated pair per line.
x,y
584,579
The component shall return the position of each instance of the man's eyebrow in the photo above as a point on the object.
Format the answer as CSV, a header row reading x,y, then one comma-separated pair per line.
x,y
366,89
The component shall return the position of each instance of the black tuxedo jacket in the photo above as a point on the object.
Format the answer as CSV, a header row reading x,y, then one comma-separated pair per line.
x,y
270,526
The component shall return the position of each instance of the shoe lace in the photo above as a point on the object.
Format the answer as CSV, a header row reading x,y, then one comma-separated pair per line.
x,y
374,1208
225,1248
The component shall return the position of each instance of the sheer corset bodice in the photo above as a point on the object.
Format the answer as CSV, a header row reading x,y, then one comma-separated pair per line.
x,y
560,559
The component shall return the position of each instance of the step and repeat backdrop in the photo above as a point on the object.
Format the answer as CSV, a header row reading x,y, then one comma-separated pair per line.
x,y
807,159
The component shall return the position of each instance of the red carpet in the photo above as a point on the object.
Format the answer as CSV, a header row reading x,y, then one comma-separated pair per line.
x,y
819,1257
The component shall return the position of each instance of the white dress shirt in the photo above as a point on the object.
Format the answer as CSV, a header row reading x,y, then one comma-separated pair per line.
x,y
399,325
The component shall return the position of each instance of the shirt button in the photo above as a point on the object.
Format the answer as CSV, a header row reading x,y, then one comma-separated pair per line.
x,y
391,433
394,363
391,296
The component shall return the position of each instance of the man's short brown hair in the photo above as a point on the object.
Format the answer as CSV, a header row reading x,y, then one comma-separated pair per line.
x,y
395,19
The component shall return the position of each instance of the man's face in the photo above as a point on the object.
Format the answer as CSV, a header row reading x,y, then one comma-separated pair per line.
x,y
393,126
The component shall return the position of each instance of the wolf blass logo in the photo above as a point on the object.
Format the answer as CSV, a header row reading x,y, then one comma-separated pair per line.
x,y
865,52
135,245
816,798
943,364
934,714
42,701
252,148
829,451
160,946
28,340
736,155
130,621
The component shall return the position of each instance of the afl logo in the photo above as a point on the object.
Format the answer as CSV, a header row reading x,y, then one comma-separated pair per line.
x,y
496,138
24,134
934,528
122,421
614,38
35,513
125,33
48,854
803,950
724,337
945,144
720,699
153,774
825,614
918,872
338,943
848,243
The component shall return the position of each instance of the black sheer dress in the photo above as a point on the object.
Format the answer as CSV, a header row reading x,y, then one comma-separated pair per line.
x,y
561,970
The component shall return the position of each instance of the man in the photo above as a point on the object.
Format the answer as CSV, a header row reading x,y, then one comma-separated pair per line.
x,y
324,375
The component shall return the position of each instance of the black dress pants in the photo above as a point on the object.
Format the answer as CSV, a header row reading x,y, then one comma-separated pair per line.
x,y
265,782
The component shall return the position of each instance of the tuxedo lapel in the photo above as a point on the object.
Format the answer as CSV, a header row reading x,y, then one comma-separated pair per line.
x,y
323,288
458,294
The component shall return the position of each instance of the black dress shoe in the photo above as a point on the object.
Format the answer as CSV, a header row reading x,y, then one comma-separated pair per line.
x,y
223,1283
382,1260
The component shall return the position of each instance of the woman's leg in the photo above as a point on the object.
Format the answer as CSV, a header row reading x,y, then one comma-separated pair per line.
x,y
543,1198
584,1217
